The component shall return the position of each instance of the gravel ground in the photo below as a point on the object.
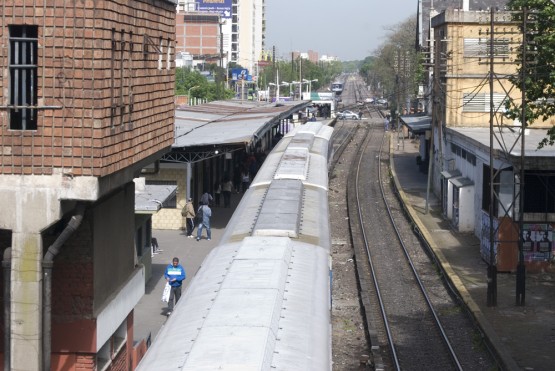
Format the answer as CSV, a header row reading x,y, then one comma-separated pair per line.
x,y
350,346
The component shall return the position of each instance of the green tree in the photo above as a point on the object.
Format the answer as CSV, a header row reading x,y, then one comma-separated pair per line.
x,y
539,75
190,81
324,72
396,68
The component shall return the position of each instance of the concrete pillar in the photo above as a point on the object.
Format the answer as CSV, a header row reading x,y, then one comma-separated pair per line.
x,y
26,305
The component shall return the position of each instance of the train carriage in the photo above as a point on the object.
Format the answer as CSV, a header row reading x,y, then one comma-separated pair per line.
x,y
261,299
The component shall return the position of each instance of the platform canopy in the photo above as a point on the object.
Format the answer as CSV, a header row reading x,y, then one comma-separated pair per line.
x,y
219,127
417,124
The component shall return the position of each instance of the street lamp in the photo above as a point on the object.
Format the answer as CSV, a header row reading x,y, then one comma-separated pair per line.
x,y
309,86
293,83
189,96
285,83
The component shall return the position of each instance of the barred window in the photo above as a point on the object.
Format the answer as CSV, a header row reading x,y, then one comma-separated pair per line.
x,y
23,77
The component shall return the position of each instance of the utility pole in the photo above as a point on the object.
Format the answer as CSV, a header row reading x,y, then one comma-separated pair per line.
x,y
492,266
521,268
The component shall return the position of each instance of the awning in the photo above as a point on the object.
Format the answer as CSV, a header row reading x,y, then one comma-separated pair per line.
x,y
149,198
222,127
229,122
461,182
450,173
417,124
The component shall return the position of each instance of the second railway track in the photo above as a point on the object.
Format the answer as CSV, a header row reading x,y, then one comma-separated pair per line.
x,y
419,337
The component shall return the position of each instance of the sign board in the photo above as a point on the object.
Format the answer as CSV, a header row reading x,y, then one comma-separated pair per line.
x,y
239,74
223,7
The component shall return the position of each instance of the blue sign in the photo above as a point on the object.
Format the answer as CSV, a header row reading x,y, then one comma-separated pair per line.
x,y
217,6
239,74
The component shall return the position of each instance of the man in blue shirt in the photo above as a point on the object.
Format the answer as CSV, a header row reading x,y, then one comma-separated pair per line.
x,y
175,274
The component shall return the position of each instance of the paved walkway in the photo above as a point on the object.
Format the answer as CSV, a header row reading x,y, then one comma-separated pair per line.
x,y
150,312
524,336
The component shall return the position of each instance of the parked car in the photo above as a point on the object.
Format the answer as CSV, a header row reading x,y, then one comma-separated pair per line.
x,y
347,115
369,100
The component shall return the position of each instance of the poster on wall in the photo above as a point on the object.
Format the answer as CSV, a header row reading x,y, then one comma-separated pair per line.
x,y
537,242
223,7
485,240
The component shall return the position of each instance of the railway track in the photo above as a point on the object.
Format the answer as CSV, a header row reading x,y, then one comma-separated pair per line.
x,y
425,325
418,323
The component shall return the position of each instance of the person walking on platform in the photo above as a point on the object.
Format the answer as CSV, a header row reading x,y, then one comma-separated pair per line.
x,y
206,198
204,213
174,275
226,190
189,213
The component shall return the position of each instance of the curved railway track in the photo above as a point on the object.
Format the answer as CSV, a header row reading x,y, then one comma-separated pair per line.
x,y
414,320
424,319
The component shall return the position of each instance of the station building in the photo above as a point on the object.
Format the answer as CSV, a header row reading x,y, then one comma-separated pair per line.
x,y
87,101
459,141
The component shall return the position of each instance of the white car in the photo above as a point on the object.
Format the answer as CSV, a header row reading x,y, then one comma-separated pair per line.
x,y
347,115
369,100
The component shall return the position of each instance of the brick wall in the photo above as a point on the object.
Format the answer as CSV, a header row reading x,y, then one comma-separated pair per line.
x,y
85,362
103,67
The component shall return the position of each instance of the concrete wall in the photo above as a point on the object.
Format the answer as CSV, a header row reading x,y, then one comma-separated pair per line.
x,y
170,218
113,233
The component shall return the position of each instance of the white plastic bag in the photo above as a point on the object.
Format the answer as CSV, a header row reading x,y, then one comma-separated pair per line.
x,y
166,293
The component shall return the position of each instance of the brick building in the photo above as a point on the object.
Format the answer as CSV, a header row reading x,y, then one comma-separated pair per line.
x,y
199,34
86,101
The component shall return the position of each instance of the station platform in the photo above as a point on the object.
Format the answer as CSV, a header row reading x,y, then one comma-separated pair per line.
x,y
523,336
150,312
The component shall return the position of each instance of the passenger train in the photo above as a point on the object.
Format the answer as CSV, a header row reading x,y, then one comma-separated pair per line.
x,y
261,299
337,87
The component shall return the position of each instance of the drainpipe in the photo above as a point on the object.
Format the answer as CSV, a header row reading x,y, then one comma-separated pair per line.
x,y
7,268
47,263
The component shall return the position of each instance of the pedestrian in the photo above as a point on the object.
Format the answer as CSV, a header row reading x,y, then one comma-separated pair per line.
x,y
175,274
386,123
360,113
206,198
217,192
245,180
226,190
189,213
206,213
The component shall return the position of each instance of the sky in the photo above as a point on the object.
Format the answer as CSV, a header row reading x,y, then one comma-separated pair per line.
x,y
347,29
